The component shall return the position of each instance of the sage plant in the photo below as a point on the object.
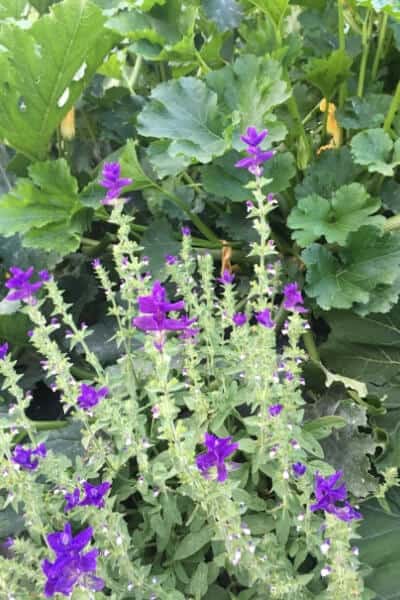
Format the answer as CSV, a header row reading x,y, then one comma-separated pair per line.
x,y
194,472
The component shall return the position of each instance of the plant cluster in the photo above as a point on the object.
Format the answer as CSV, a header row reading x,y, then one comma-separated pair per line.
x,y
276,345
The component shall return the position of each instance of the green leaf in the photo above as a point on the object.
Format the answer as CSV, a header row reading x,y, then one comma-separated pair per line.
x,y
390,7
331,171
224,180
369,260
162,162
250,89
158,241
364,113
66,441
11,8
322,426
11,523
368,349
349,209
44,69
373,149
281,169
192,543
42,5
227,14
185,112
199,583
45,209
380,546
328,73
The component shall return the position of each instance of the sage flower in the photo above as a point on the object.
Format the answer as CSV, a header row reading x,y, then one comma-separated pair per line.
x,y
112,182
94,494
90,397
71,567
28,458
20,285
293,300
3,350
256,156
239,319
218,450
329,492
264,318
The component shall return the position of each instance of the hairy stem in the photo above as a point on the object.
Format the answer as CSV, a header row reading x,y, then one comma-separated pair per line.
x,y
381,42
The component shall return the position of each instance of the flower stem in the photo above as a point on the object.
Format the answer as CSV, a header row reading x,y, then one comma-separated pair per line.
x,y
393,108
366,34
342,46
201,226
381,42
311,346
303,146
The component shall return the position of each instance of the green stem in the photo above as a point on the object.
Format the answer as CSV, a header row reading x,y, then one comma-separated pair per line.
x,y
393,108
366,35
303,149
201,226
310,346
135,73
342,46
381,42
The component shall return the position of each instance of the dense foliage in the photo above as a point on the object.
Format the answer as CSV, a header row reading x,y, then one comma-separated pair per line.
x,y
158,94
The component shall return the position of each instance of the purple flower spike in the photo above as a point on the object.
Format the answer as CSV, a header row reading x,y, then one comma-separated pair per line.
x,y
96,263
226,277
299,469
24,457
328,492
112,182
264,318
20,285
94,494
218,450
256,156
293,300
89,396
275,410
72,499
185,231
239,319
71,567
3,350
252,137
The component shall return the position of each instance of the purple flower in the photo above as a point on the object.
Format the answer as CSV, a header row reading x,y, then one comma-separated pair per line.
x,y
170,259
264,318
94,494
112,182
3,350
328,492
226,277
256,156
44,275
293,300
155,308
24,456
72,499
20,285
185,231
96,263
71,567
218,450
89,396
8,542
252,137
239,319
299,469
275,410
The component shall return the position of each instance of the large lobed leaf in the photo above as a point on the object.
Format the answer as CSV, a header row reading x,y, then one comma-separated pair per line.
x,y
45,209
44,69
366,348
360,276
185,112
349,209
373,148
